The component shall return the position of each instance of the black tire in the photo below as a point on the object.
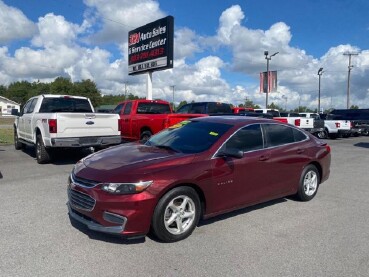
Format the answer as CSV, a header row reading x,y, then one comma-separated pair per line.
x,y
309,183
172,210
365,132
145,135
17,145
322,135
42,154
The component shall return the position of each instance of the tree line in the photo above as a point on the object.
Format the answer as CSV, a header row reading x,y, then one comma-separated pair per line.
x,y
21,91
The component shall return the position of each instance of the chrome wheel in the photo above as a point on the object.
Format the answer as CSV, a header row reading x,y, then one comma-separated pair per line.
x,y
179,215
310,183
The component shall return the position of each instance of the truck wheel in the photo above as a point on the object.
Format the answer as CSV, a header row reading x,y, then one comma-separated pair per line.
x,y
322,135
145,135
365,132
176,215
42,154
309,183
17,145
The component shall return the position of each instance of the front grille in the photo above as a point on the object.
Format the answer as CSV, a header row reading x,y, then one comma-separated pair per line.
x,y
80,200
83,182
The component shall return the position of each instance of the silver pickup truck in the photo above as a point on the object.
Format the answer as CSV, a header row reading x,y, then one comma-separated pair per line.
x,y
63,121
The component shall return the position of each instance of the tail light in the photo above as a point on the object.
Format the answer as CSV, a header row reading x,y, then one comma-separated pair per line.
x,y
53,126
338,124
351,125
328,148
165,123
297,122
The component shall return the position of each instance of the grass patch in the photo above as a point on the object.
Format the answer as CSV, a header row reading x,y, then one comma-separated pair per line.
x,y
6,136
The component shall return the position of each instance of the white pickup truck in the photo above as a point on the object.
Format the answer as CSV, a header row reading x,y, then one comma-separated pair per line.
x,y
311,125
334,126
63,121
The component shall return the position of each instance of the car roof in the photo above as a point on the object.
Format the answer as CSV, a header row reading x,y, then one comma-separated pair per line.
x,y
233,119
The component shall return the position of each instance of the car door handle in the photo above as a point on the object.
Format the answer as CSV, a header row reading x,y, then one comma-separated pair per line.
x,y
299,151
264,158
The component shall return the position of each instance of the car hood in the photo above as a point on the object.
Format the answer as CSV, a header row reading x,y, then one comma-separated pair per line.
x,y
130,159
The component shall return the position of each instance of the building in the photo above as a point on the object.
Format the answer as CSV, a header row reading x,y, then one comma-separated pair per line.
x,y
6,106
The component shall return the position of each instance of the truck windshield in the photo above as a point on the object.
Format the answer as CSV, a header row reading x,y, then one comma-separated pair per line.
x,y
189,136
65,104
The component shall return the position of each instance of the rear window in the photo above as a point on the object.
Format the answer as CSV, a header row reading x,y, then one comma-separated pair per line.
x,y
214,108
65,104
153,108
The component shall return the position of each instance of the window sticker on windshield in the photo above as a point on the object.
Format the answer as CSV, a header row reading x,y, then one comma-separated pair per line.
x,y
213,134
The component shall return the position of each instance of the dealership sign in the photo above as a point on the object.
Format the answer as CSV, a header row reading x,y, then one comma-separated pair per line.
x,y
150,47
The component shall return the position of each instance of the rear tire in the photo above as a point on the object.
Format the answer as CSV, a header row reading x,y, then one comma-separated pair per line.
x,y
176,214
145,135
322,135
42,154
309,183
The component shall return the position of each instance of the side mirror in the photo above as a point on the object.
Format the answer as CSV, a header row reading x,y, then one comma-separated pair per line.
x,y
230,152
15,112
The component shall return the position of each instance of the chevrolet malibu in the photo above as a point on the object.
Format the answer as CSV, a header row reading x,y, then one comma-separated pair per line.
x,y
194,170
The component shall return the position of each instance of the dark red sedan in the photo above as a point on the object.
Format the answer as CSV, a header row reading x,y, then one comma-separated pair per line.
x,y
196,169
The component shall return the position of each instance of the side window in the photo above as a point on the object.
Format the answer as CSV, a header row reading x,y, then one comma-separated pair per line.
x,y
26,106
118,109
247,139
198,108
32,106
277,134
298,135
128,108
184,109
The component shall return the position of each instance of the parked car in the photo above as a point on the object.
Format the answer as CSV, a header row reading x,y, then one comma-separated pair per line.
x,y
140,119
273,112
50,122
196,169
209,108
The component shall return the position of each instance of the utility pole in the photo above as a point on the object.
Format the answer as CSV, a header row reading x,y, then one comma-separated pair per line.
x,y
349,54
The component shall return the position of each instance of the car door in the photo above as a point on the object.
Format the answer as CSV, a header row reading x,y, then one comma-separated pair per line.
x,y
21,119
28,122
288,155
239,182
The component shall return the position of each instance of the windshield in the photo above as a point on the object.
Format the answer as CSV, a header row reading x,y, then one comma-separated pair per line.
x,y
189,136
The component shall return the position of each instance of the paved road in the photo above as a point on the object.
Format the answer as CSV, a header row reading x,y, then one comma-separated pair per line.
x,y
325,237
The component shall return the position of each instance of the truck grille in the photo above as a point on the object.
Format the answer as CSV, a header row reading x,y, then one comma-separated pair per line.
x,y
80,200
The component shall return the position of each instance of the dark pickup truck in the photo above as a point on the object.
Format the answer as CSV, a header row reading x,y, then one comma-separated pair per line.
x,y
209,108
358,117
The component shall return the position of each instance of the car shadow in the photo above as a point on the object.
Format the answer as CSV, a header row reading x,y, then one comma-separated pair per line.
x,y
61,156
243,211
362,144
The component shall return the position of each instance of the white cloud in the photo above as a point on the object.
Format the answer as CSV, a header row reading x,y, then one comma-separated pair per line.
x,y
14,25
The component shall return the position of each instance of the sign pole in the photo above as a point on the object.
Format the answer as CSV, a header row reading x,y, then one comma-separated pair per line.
x,y
149,85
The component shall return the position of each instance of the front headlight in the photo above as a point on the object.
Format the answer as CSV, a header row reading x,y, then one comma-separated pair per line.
x,y
125,188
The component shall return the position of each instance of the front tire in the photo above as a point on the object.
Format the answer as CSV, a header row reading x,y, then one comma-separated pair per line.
x,y
17,144
42,154
176,215
309,183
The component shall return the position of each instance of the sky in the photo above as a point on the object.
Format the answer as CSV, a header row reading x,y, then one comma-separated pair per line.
x,y
218,48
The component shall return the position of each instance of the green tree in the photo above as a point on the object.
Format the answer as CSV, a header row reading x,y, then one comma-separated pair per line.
x,y
61,86
19,91
87,88
354,107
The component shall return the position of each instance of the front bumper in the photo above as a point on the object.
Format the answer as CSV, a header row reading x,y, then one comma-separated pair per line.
x,y
84,141
92,225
